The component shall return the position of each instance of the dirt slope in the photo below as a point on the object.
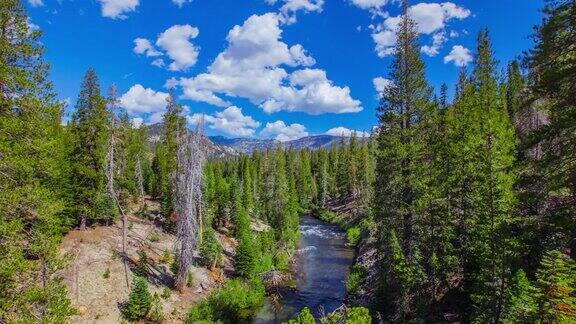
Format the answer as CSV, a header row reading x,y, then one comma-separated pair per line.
x,y
98,296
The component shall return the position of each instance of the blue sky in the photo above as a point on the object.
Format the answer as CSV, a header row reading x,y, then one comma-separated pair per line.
x,y
264,68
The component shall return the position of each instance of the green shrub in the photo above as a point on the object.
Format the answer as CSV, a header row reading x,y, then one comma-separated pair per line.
x,y
358,315
106,273
353,234
305,317
156,314
139,301
353,315
166,257
355,278
154,237
165,293
282,260
190,279
327,216
236,302
175,265
210,250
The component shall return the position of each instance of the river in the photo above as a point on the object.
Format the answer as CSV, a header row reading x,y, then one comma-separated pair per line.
x,y
322,266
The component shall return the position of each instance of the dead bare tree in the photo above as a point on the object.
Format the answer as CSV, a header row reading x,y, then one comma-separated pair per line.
x,y
188,180
110,168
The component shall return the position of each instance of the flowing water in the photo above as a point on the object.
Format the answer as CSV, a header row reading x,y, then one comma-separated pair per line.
x,y
322,266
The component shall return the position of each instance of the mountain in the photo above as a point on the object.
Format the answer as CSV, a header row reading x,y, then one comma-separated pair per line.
x,y
244,145
250,145
213,150
220,146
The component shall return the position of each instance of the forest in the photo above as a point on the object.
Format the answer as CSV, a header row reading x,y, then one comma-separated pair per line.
x,y
468,206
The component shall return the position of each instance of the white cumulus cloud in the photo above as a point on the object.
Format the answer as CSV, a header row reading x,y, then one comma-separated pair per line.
x,y
36,3
180,3
140,100
117,9
253,66
143,46
380,84
431,18
278,130
137,122
438,40
231,121
346,132
369,4
176,42
460,55
291,7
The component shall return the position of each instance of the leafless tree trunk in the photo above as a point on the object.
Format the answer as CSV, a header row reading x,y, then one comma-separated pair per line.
x,y
111,169
188,181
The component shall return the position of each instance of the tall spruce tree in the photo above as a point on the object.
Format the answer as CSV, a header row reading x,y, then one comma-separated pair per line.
x,y
405,112
483,179
90,139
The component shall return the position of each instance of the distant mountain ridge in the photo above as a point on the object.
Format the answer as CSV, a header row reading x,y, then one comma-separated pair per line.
x,y
250,145
221,146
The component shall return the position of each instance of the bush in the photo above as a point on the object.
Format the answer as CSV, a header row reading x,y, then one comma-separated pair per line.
x,y
355,278
236,302
190,279
353,315
282,260
327,216
305,317
165,293
154,237
139,301
353,234
156,314
175,265
166,257
358,315
106,274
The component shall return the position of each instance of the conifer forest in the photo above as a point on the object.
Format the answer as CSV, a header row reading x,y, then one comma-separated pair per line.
x,y
458,207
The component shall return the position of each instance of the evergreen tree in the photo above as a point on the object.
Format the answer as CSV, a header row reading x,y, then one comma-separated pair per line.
x,y
405,113
556,279
33,173
515,88
522,303
139,300
553,71
90,138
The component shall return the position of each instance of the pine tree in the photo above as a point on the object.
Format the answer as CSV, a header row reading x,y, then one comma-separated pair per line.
x,y
515,88
522,305
33,173
480,187
553,69
139,300
556,279
90,139
405,113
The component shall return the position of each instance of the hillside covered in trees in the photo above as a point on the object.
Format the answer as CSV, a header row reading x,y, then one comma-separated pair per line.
x,y
460,211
